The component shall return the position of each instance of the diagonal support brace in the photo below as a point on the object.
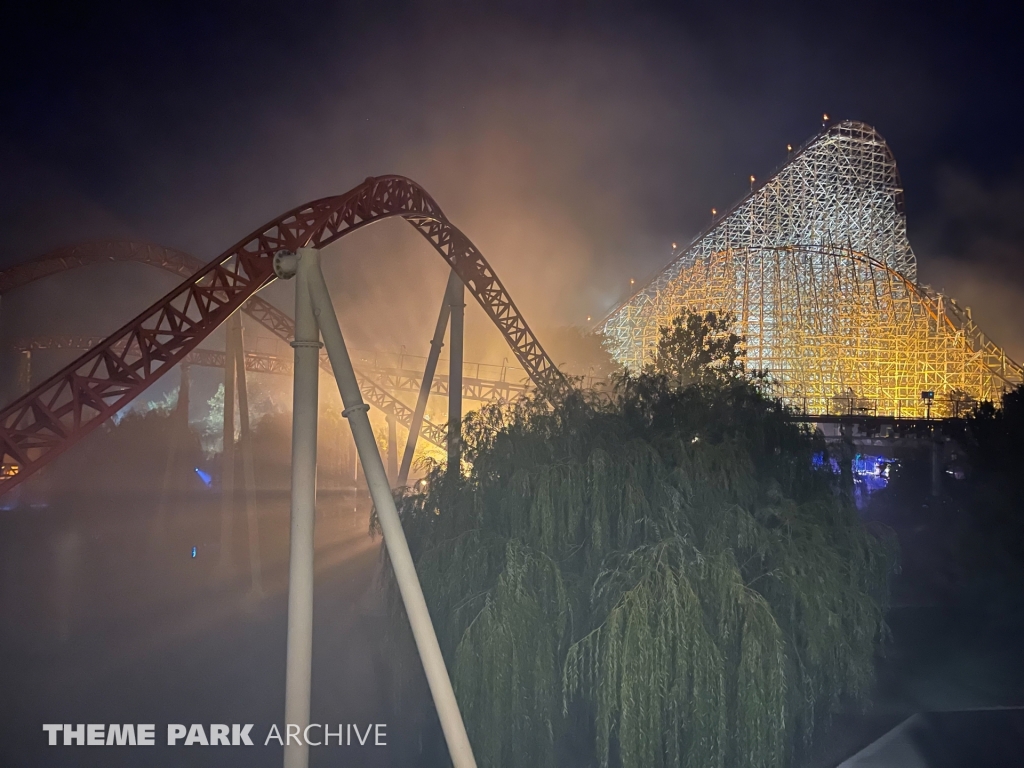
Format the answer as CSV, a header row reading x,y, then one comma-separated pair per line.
x,y
311,281
436,343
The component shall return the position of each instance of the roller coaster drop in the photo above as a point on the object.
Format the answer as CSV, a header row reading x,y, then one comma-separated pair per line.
x,y
49,419
816,268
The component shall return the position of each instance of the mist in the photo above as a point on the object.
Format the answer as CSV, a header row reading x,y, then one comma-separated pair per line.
x,y
572,146
972,248
574,143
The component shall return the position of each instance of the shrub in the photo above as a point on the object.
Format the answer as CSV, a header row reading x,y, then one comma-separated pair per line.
x,y
661,574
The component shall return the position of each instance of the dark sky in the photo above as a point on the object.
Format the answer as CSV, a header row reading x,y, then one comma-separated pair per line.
x,y
573,142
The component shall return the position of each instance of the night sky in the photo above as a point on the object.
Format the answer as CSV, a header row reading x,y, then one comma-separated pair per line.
x,y
573,142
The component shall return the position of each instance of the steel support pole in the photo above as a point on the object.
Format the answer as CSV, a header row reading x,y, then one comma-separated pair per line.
x,y
356,411
457,302
436,342
299,664
227,469
392,449
248,471
352,466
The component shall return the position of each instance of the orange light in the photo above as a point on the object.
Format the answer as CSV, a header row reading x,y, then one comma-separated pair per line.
x,y
674,246
714,211
825,117
789,147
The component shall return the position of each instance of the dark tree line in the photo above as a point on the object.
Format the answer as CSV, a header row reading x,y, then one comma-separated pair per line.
x,y
658,576
990,525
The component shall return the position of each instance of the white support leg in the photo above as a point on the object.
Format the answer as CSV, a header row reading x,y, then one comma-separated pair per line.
x,y
248,470
227,458
311,278
392,449
298,670
457,302
436,342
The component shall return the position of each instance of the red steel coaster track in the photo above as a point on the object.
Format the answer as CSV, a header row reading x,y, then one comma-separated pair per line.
x,y
184,264
49,419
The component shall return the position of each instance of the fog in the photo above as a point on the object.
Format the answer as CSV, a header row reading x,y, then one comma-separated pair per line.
x,y
572,147
572,142
972,248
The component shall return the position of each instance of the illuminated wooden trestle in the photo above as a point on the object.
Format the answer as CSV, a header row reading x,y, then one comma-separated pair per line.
x,y
816,267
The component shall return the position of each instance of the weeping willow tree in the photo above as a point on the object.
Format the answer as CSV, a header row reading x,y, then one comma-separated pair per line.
x,y
659,577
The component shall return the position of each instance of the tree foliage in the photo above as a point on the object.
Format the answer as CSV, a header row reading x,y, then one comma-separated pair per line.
x,y
697,348
659,577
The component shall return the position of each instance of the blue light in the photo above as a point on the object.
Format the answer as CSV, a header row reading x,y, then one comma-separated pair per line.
x,y
818,461
205,477
194,551
870,473
875,470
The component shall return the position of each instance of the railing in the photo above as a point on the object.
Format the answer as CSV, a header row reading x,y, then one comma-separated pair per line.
x,y
851,406
402,360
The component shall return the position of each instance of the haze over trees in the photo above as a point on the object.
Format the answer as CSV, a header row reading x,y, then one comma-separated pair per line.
x,y
659,576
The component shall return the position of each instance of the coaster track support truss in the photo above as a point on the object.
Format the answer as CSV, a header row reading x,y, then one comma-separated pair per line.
x,y
56,414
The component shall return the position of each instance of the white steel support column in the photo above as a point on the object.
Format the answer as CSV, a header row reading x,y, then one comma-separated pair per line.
x,y
356,411
436,342
227,457
298,670
392,449
457,301
248,470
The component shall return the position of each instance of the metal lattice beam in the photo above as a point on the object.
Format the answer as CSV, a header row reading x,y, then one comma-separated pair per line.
x,y
389,379
55,415
184,264
481,390
178,262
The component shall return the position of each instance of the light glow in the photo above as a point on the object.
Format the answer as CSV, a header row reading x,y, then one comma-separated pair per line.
x,y
817,269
